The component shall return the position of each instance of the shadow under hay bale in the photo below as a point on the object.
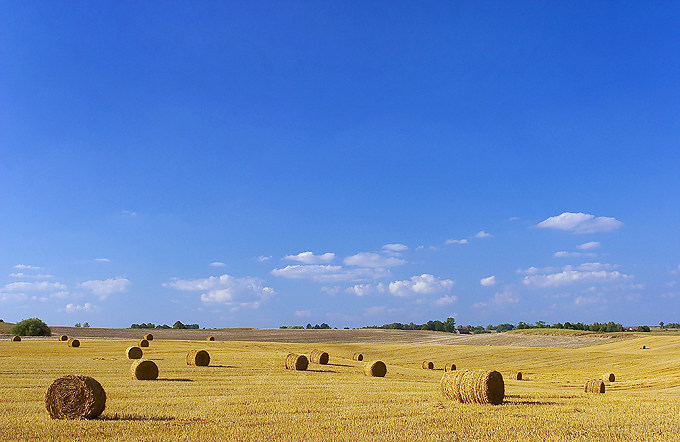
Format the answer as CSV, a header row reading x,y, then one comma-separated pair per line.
x,y
296,362
608,377
199,358
144,370
644,347
144,343
449,367
134,352
519,376
594,386
428,365
75,397
474,386
16,339
148,337
73,343
63,338
210,338
357,357
318,357
376,369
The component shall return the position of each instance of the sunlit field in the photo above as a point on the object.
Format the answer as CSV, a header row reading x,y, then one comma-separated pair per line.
x,y
246,394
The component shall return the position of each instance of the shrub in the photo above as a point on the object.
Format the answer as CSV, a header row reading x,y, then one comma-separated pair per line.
x,y
31,327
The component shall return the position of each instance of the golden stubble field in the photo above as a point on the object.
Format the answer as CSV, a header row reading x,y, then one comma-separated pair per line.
x,y
246,394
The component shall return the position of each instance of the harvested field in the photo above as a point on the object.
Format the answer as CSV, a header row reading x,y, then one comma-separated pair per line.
x,y
247,394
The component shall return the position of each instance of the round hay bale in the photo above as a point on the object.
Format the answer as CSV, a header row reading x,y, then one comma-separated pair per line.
x,y
318,357
199,358
73,342
474,386
134,352
357,357
608,377
210,338
75,397
296,362
63,338
143,343
144,369
644,347
16,338
376,369
519,375
428,365
449,367
595,386
148,337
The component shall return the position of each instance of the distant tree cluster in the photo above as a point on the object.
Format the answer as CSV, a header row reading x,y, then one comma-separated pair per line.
x,y
31,327
176,325
179,325
595,326
292,327
669,325
446,326
317,326
85,325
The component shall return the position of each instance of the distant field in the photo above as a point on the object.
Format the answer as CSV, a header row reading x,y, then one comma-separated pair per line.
x,y
246,394
5,327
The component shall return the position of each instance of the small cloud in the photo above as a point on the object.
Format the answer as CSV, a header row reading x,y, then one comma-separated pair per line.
x,y
589,245
25,267
334,290
488,282
446,300
482,234
102,259
303,313
232,292
41,286
311,258
367,259
499,299
563,254
394,248
580,223
17,275
513,218
264,258
366,289
420,285
456,241
106,287
217,264
128,213
85,308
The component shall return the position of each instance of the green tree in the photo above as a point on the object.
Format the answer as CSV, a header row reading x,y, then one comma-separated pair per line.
x,y
31,327
450,325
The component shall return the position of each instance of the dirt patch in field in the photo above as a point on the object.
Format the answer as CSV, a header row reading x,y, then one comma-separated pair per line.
x,y
358,336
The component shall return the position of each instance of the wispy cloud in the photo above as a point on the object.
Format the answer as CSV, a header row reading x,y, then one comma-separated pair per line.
x,y
499,299
446,300
374,260
589,245
329,273
564,254
424,284
102,259
395,249
247,292
303,313
263,258
85,308
483,234
580,223
104,288
367,289
25,267
217,264
586,273
488,282
456,241
311,258
40,286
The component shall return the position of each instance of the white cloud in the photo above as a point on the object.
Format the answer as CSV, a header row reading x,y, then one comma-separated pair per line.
x,y
589,245
25,267
586,273
424,284
394,249
106,287
24,275
368,259
17,275
41,286
217,264
499,299
446,300
456,241
311,258
227,290
580,223
102,259
483,234
564,254
85,308
331,290
328,273
367,289
488,282
535,270
264,258
303,313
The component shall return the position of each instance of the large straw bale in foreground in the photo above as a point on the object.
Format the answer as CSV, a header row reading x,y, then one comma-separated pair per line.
x,y
449,367
519,376
16,338
474,386
318,357
358,357
376,369
296,362
73,342
595,386
75,397
63,338
199,358
148,337
428,365
608,377
134,352
143,343
144,369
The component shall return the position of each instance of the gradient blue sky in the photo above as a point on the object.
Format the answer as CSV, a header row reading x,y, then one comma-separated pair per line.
x,y
265,163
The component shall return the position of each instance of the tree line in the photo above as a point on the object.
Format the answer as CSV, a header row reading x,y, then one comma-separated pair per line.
x,y
177,326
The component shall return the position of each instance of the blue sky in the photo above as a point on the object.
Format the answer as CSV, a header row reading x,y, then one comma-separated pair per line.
x,y
354,163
